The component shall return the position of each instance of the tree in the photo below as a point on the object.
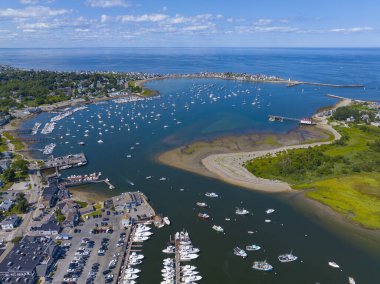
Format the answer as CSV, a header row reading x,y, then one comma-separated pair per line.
x,y
9,175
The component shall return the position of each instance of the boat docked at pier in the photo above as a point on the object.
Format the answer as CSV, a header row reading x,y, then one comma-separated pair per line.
x,y
49,149
239,252
36,127
262,265
48,128
84,178
287,257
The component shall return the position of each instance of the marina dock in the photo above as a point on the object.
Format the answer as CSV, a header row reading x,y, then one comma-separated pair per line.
x,y
177,262
303,121
65,162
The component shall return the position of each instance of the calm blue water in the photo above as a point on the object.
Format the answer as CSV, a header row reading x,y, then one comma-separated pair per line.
x,y
216,108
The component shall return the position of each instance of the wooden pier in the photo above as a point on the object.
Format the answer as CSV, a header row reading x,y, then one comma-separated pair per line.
x,y
127,251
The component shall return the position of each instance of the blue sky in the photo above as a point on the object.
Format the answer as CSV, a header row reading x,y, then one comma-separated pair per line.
x,y
189,23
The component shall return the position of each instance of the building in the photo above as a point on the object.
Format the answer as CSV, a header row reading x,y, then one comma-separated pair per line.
x,y
4,165
10,222
29,259
70,209
50,228
6,155
127,200
6,205
49,196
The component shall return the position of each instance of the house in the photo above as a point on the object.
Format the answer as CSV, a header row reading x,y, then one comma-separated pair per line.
x,y
69,209
6,155
49,196
10,222
29,259
4,165
49,228
6,205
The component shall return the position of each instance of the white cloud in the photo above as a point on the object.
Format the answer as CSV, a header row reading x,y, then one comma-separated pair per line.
x,y
29,2
263,22
104,18
267,29
82,30
352,30
107,3
32,12
143,18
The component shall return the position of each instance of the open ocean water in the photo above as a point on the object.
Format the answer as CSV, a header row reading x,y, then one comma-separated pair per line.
x,y
216,108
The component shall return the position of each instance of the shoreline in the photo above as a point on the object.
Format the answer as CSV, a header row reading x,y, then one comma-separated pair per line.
x,y
290,83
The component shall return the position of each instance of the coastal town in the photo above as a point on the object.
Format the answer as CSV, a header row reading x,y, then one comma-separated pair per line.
x,y
48,234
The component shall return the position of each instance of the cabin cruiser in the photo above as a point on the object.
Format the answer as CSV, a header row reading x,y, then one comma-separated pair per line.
x,y
241,211
288,257
191,279
252,247
239,252
218,228
262,265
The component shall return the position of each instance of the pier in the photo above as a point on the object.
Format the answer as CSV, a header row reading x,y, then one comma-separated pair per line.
x,y
177,262
295,83
64,162
282,118
127,248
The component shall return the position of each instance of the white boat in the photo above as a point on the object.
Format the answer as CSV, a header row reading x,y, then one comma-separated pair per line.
x,y
131,276
239,252
163,179
166,220
211,194
351,280
169,250
100,141
188,256
201,204
262,265
269,211
288,257
188,268
241,211
191,279
252,247
218,228
334,264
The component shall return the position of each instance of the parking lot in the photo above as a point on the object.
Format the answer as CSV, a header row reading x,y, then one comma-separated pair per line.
x,y
82,257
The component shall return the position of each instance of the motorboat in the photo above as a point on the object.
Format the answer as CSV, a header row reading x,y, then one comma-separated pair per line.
x,y
169,250
218,228
252,247
211,194
334,264
288,257
241,211
201,204
166,221
239,252
262,265
203,216
269,211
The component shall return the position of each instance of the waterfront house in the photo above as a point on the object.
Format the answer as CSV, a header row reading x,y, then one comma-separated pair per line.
x,y
49,196
10,222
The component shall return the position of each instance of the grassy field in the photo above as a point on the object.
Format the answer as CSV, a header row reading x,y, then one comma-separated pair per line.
x,y
344,175
17,143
